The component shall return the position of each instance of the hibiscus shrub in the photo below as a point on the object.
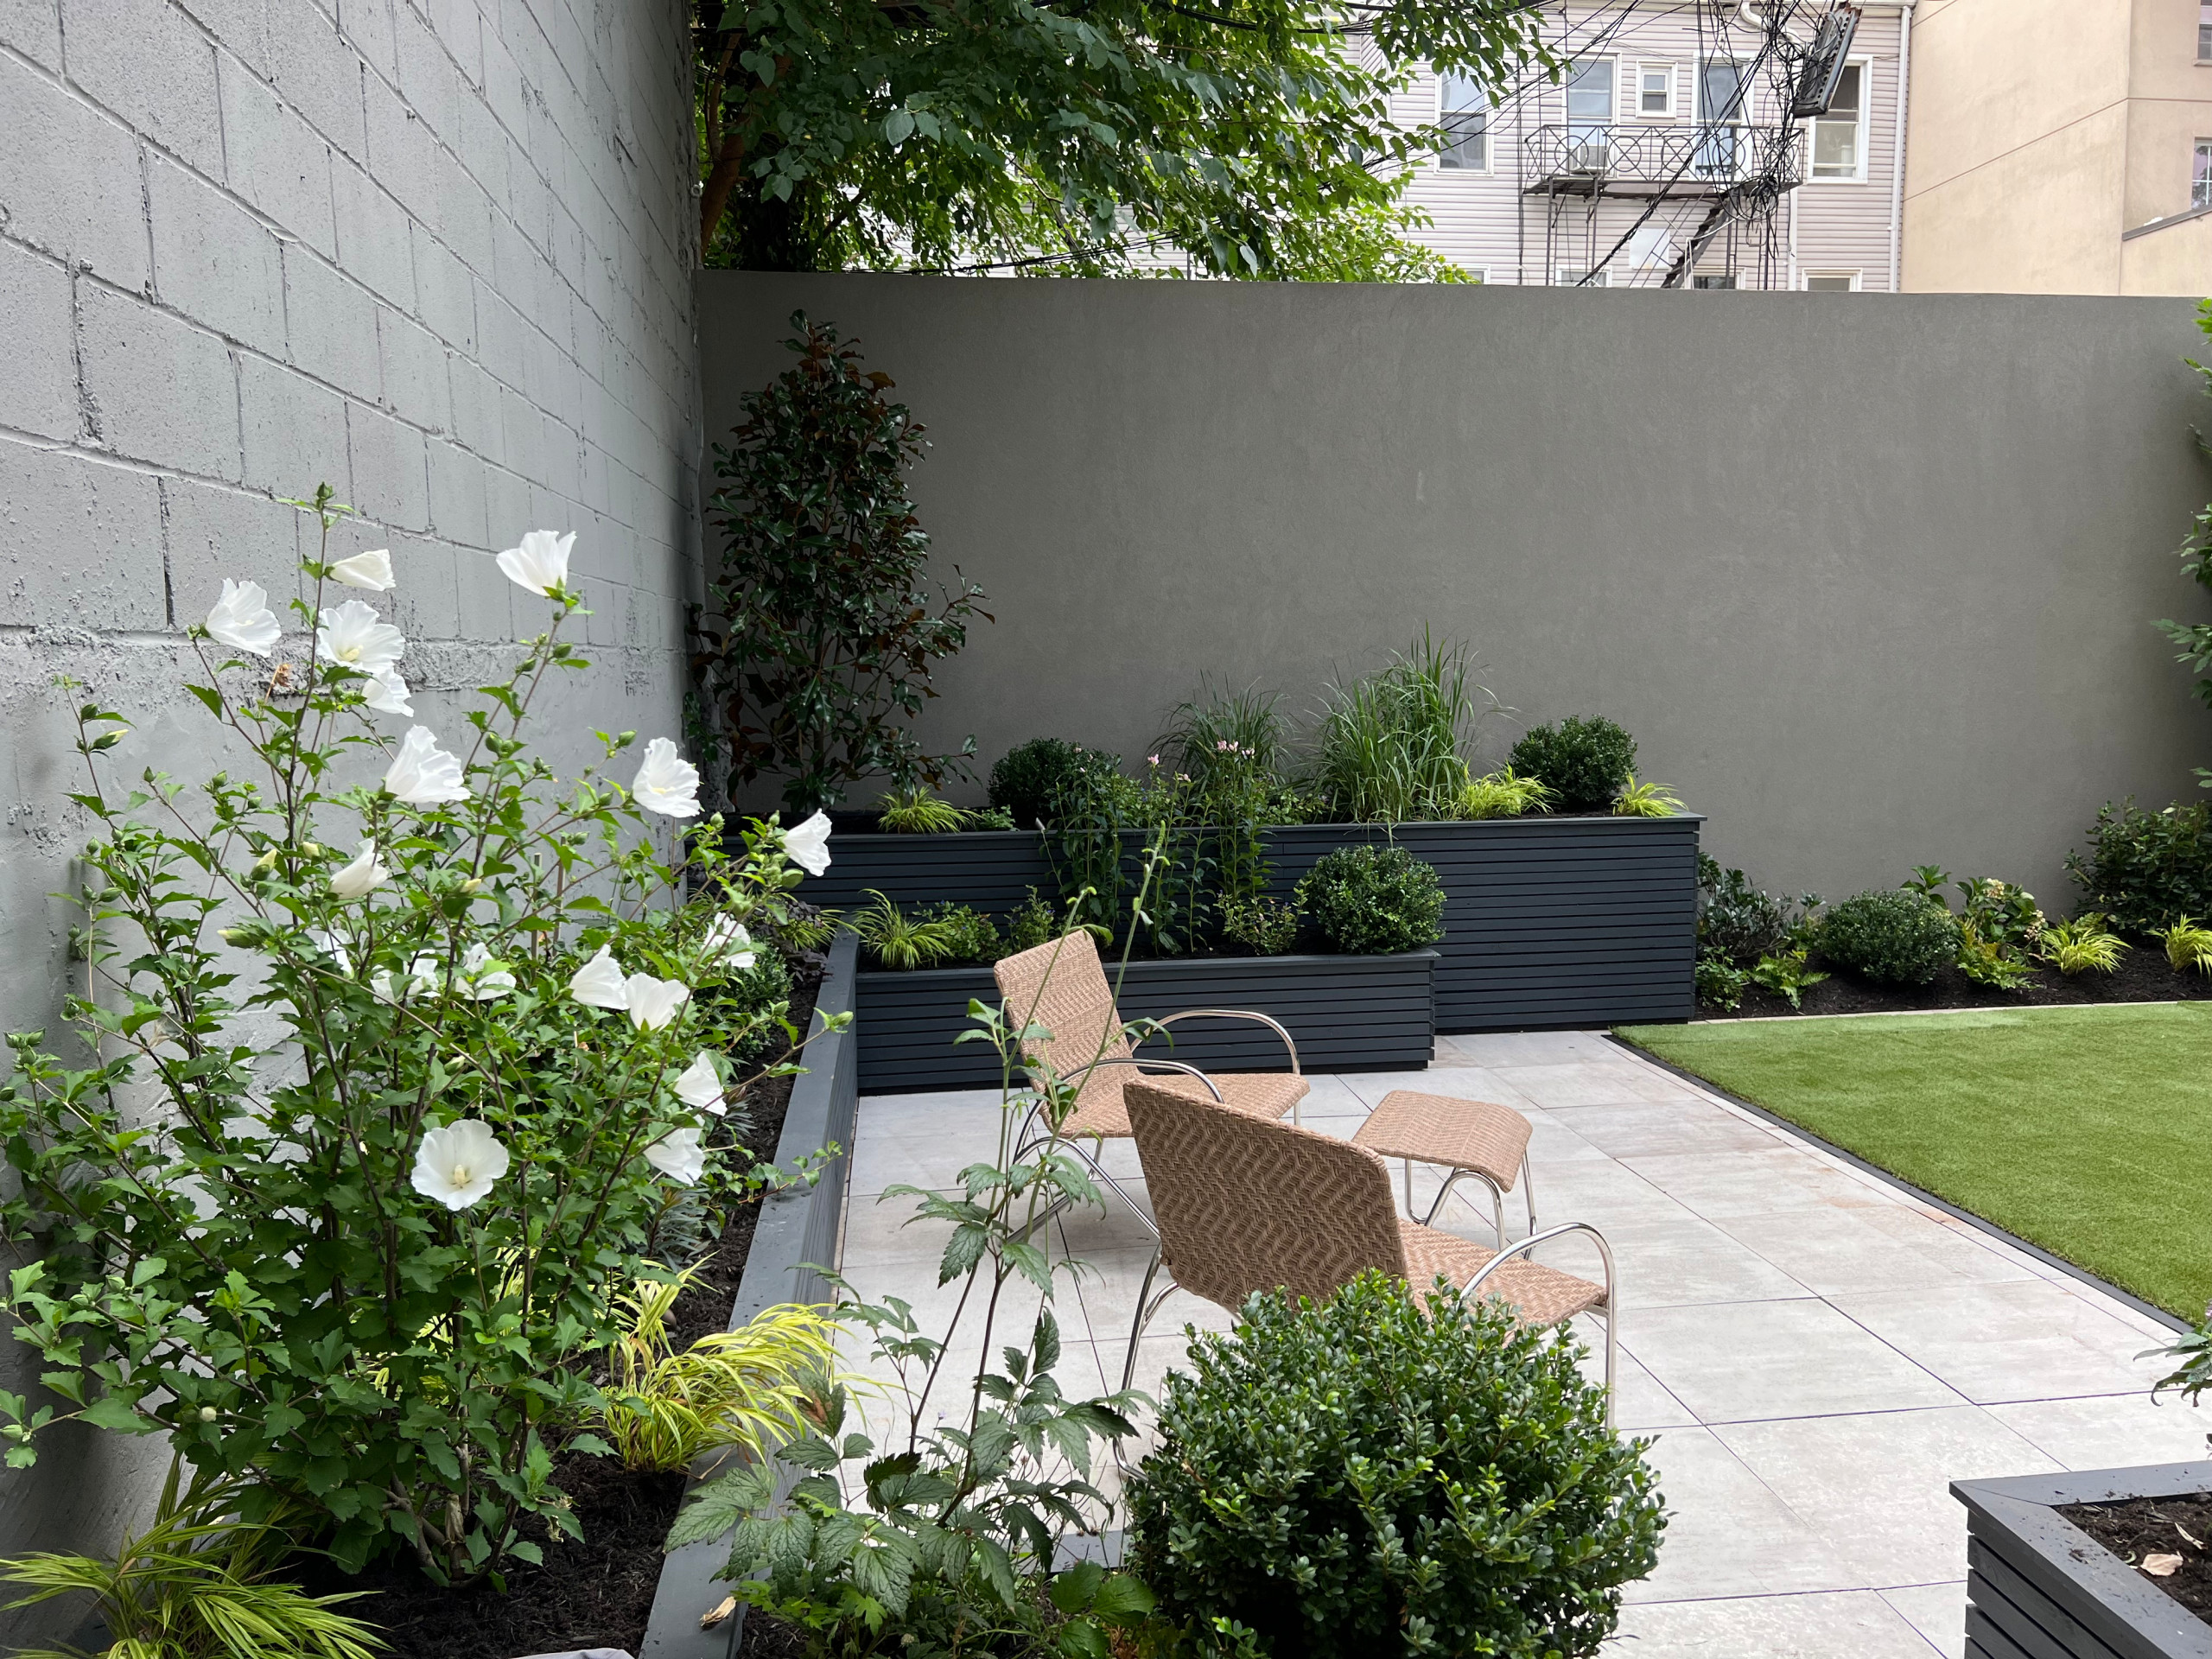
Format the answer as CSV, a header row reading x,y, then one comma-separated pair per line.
x,y
394,1073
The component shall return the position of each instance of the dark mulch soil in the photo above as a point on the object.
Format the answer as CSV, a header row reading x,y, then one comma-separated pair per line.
x,y
2155,1526
2145,976
597,1593
771,1639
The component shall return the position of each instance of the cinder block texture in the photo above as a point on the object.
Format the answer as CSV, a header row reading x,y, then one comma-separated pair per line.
x,y
438,253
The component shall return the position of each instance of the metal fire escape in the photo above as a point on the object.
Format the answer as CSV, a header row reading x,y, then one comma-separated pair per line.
x,y
1701,199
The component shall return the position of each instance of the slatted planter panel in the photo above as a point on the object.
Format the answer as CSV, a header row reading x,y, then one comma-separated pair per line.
x,y
1345,1014
1549,922
2039,1587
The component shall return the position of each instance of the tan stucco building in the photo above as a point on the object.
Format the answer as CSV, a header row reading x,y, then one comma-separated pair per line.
x,y
2059,147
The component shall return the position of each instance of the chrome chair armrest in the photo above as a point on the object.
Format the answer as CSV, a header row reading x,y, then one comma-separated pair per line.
x,y
1275,1026
1605,1252
1083,1072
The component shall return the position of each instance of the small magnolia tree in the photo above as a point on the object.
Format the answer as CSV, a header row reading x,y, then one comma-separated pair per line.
x,y
391,1082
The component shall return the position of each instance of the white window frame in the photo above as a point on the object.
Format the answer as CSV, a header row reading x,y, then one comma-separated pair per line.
x,y
1490,155
1856,278
1865,124
1668,114
2203,32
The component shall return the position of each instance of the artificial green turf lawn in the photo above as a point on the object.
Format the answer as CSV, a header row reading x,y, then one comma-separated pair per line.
x,y
2085,1130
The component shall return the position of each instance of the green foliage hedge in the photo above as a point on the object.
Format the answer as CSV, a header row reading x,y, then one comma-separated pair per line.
x,y
1895,936
1032,778
1374,902
1363,1479
2147,870
1585,763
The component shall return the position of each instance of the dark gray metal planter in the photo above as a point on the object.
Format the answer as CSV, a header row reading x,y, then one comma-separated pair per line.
x,y
1549,922
1345,1014
798,1225
2039,1585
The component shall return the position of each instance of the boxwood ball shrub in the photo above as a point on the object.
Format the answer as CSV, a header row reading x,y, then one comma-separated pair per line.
x,y
1377,1477
1585,763
1373,901
1031,780
1901,937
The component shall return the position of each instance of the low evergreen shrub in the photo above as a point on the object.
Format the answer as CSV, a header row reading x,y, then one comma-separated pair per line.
x,y
1365,1479
1894,936
2146,870
1585,763
1030,776
1373,901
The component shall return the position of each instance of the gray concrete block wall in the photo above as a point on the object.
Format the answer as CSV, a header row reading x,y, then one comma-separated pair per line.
x,y
437,252
1871,578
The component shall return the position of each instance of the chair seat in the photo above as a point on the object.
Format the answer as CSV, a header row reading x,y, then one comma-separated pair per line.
x,y
1261,1094
1540,1295
1475,1134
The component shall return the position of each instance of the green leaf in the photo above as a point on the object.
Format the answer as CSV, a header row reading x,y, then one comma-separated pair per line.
x,y
720,1504
109,1411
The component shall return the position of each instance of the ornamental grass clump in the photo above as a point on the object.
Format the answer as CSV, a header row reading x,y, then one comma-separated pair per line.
x,y
402,1049
1384,1475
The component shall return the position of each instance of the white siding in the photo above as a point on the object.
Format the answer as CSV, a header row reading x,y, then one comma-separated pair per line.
x,y
1483,221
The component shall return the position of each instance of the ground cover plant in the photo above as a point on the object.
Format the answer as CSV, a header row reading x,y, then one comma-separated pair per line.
x,y
404,1062
2081,1130
1378,1475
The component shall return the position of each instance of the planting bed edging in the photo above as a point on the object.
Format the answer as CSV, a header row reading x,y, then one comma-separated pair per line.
x,y
1549,922
797,1224
1345,1014
2038,1585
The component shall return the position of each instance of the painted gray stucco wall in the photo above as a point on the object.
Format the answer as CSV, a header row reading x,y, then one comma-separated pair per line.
x,y
438,254
1870,579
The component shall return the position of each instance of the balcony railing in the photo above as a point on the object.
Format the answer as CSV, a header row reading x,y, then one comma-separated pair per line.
x,y
1591,158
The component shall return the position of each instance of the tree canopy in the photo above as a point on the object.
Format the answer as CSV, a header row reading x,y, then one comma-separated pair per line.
x,y
1253,137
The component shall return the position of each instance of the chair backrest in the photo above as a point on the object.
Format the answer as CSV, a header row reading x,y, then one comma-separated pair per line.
x,y
1061,986
1247,1204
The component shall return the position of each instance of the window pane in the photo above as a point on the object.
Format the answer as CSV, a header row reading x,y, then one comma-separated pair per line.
x,y
1570,276
1658,92
1715,281
1457,92
1847,93
1828,284
1836,149
2199,195
1720,92
2204,33
1467,141
1590,92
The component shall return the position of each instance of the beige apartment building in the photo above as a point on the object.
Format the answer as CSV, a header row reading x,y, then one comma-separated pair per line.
x,y
2059,147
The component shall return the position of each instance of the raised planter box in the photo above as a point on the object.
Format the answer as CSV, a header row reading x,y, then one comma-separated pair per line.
x,y
797,1226
1345,1014
2037,1585
1549,922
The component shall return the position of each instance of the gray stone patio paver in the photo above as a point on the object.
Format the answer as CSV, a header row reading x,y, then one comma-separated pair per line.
x,y
1816,1353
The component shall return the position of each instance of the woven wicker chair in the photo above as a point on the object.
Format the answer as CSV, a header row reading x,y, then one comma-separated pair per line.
x,y
1061,987
1244,1204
